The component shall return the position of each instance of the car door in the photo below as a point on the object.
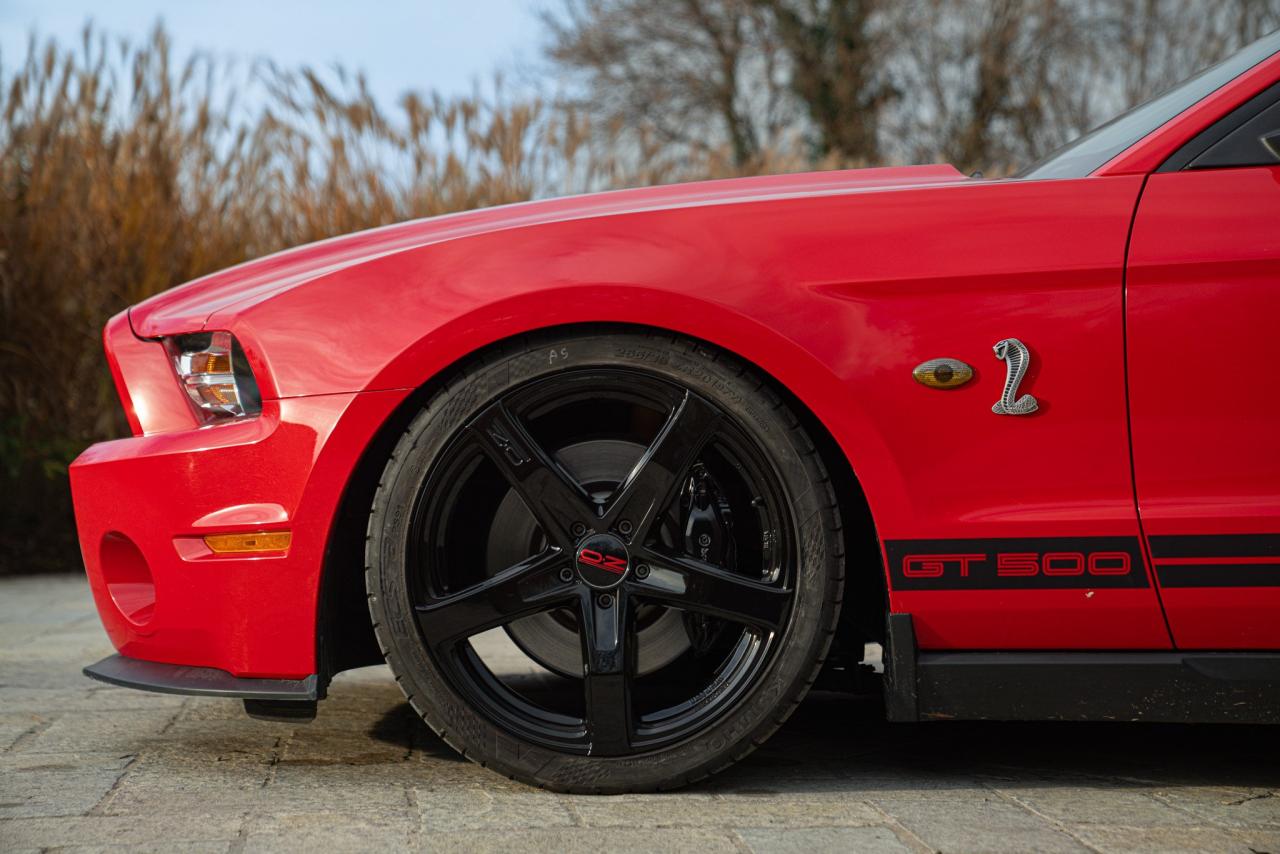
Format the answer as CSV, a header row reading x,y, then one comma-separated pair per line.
x,y
1203,318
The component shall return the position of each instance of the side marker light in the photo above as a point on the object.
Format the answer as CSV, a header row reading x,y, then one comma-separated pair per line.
x,y
257,541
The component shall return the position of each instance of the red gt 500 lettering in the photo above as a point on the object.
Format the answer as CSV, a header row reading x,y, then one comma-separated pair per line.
x,y
988,564
932,566
1063,563
1022,564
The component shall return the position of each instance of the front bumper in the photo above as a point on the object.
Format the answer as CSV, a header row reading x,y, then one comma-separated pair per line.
x,y
144,505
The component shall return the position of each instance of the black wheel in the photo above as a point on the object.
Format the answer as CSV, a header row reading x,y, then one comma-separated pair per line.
x,y
644,521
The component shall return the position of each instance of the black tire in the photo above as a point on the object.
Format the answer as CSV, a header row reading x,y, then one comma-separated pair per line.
x,y
789,656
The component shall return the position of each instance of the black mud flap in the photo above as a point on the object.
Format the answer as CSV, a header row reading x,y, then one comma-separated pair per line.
x,y
282,711
900,703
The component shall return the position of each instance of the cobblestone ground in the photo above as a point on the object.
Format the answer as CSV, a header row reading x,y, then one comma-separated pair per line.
x,y
87,766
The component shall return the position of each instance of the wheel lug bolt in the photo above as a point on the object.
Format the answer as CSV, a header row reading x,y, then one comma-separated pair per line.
x,y
642,571
566,575
625,526
605,600
578,529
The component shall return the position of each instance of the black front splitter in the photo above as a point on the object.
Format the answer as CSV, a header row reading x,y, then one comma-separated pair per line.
x,y
274,699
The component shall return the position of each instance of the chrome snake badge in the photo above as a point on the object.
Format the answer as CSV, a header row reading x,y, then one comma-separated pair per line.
x,y
1016,359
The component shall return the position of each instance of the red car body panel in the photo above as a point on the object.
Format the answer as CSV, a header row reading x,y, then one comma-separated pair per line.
x,y
1204,271
837,285
187,307
285,470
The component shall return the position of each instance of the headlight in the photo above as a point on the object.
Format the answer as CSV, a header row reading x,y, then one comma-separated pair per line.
x,y
213,370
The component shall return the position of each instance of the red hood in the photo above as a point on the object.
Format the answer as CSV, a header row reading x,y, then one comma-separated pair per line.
x,y
186,308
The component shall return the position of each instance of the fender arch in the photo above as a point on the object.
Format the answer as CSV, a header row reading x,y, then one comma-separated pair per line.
x,y
344,634
786,361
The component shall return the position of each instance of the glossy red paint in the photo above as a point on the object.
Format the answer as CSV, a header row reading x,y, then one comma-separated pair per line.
x,y
153,402
835,284
284,470
1204,288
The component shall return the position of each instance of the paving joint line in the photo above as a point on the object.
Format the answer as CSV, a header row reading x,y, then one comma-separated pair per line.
x,y
35,731
905,834
100,808
1057,825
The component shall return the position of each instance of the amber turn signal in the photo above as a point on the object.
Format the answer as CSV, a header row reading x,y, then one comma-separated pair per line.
x,y
257,541
942,373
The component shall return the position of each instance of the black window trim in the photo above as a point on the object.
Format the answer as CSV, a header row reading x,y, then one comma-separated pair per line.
x,y
1220,130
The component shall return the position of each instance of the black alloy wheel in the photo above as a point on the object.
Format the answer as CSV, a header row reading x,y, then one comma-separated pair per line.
x,y
644,522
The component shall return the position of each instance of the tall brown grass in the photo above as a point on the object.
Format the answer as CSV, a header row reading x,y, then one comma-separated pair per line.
x,y
124,172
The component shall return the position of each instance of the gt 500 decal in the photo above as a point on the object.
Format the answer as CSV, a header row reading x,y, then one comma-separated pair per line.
x,y
1018,564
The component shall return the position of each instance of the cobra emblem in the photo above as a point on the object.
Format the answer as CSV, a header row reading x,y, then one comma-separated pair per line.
x,y
1016,359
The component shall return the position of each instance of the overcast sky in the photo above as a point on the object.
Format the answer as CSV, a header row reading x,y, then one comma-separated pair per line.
x,y
400,44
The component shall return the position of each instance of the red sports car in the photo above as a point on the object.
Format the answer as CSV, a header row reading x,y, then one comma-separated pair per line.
x,y
675,445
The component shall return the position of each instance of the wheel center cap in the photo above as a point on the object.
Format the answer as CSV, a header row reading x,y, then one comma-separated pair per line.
x,y
602,561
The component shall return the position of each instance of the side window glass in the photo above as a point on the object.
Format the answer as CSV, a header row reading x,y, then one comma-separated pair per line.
x,y
1254,143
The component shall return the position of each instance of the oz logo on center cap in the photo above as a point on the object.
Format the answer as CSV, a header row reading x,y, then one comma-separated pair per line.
x,y
602,561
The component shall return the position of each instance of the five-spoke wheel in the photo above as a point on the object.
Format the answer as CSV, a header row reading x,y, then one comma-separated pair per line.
x,y
636,537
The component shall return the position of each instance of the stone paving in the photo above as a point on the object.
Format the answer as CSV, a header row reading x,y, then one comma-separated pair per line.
x,y
84,766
